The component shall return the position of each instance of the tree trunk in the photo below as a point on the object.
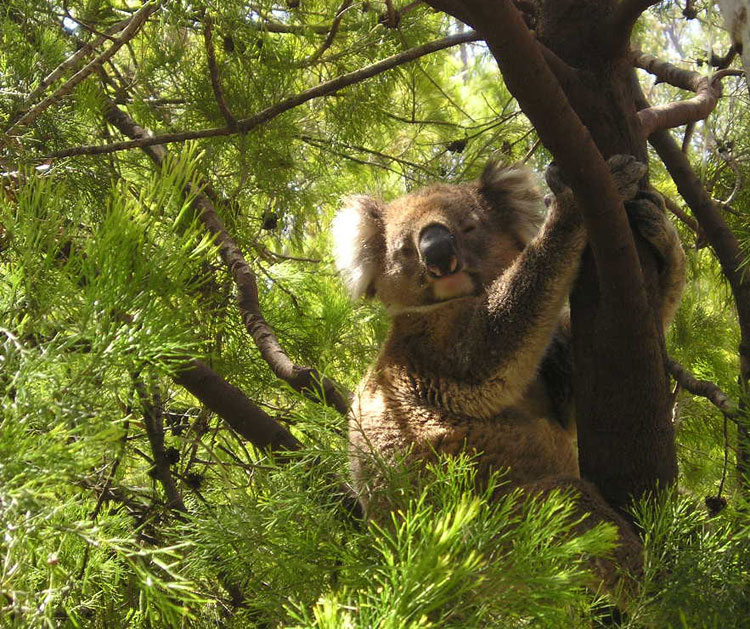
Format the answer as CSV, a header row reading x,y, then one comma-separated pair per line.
x,y
626,438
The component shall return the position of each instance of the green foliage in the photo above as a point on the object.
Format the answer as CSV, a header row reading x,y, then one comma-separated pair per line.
x,y
696,566
109,283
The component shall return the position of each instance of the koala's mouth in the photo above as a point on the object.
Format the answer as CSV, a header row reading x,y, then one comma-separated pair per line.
x,y
452,286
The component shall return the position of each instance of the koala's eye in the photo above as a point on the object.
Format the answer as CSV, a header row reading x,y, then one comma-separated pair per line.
x,y
467,229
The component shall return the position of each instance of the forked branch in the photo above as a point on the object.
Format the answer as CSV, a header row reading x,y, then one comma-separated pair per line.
x,y
707,90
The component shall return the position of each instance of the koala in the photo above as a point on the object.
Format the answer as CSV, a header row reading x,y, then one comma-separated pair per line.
x,y
475,279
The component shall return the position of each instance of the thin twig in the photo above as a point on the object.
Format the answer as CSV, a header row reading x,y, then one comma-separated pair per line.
x,y
71,62
331,34
130,31
364,149
213,70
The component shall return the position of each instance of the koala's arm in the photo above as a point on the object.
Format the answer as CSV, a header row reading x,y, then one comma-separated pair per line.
x,y
510,335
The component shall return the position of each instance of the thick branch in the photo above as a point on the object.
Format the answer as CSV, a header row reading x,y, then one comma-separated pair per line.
x,y
303,379
707,89
235,408
623,20
682,112
666,72
248,124
702,388
136,22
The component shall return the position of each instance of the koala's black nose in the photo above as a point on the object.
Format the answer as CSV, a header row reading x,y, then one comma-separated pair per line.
x,y
437,246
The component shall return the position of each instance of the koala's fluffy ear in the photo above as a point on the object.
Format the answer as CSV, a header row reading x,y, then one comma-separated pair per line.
x,y
359,244
514,191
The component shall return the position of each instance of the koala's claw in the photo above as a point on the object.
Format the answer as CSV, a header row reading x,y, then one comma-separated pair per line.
x,y
627,171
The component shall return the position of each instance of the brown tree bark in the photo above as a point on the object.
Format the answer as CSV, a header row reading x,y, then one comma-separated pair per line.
x,y
573,82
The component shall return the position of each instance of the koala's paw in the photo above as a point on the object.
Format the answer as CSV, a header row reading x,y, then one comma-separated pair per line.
x,y
627,171
647,215
554,178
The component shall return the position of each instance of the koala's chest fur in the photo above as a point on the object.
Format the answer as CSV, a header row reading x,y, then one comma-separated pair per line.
x,y
399,412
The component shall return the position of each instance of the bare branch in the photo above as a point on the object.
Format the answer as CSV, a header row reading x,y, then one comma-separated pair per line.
x,y
666,72
703,388
682,112
305,380
213,70
130,31
248,124
235,408
708,92
153,420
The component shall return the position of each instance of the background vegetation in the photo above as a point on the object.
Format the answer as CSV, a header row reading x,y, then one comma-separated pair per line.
x,y
124,500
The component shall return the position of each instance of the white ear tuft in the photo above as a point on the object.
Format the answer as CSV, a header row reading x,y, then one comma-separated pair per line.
x,y
515,191
358,243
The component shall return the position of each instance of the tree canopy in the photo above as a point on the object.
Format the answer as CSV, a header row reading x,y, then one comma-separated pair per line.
x,y
178,354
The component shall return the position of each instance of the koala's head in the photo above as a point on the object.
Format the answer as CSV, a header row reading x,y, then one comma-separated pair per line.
x,y
440,243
